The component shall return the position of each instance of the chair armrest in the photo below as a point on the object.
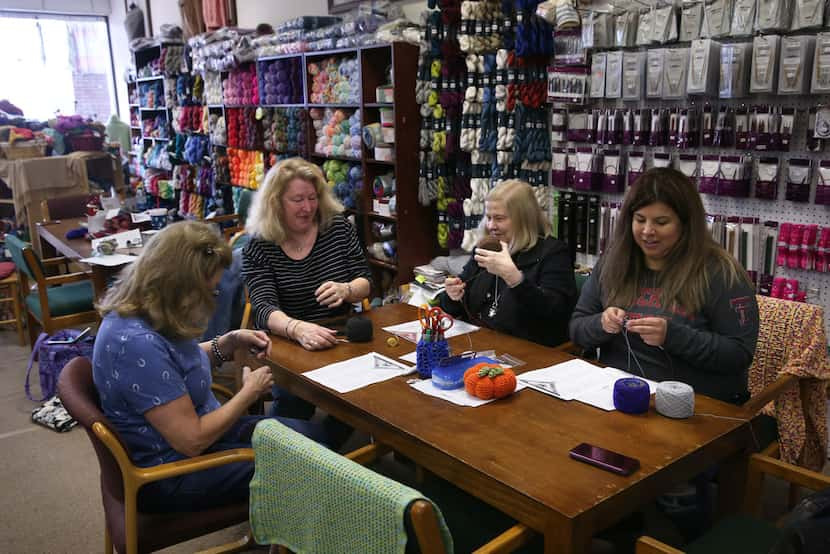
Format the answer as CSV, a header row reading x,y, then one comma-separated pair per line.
x,y
367,454
647,545
246,317
68,278
221,389
794,474
510,540
55,261
768,394
144,475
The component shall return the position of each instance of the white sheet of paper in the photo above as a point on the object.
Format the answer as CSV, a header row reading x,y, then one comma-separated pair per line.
x,y
412,330
113,213
133,236
358,372
110,261
412,357
579,380
457,396
140,217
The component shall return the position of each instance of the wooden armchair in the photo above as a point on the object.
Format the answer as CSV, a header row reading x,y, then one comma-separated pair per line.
x,y
745,532
51,307
129,530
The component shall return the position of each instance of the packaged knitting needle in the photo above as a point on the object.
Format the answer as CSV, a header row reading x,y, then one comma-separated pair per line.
x,y
808,14
743,18
717,19
691,19
773,15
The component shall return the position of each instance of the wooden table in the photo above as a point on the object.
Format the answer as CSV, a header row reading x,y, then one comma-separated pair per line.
x,y
513,453
53,233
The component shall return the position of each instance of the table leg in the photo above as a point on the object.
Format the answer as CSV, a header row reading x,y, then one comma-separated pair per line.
x,y
565,538
732,483
99,281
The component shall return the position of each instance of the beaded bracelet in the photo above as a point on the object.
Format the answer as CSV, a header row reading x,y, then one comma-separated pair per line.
x,y
214,345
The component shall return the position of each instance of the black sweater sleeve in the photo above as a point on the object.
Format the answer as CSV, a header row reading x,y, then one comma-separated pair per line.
x,y
553,292
259,279
586,321
729,345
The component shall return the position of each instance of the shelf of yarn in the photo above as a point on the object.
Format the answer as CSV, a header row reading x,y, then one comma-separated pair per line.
x,y
189,119
345,180
333,80
243,129
284,130
246,167
241,86
214,97
280,81
151,95
217,129
336,134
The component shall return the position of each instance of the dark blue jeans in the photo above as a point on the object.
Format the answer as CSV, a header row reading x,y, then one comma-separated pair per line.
x,y
221,485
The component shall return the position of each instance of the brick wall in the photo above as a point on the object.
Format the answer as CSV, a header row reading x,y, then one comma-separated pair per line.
x,y
92,96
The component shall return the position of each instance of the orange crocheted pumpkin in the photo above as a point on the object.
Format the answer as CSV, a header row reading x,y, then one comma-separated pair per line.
x,y
487,380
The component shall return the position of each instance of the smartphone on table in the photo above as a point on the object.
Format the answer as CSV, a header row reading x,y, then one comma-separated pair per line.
x,y
604,459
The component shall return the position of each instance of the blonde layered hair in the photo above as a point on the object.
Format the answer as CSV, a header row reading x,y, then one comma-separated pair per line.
x,y
527,220
689,266
169,284
266,213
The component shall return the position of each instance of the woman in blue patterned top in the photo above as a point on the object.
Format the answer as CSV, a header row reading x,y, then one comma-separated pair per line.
x,y
154,378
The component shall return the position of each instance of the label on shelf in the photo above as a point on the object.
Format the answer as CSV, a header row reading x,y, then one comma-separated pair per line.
x,y
380,207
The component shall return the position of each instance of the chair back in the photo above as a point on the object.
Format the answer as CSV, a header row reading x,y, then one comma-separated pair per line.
x,y
65,207
18,250
79,396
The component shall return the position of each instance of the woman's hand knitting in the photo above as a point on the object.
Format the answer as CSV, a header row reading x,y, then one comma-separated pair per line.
x,y
256,382
499,264
314,337
255,341
651,329
455,288
612,320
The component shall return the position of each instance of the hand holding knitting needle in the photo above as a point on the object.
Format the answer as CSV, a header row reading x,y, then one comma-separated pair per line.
x,y
499,264
455,288
651,329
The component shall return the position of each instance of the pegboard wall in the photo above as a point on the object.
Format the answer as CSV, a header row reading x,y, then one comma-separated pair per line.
x,y
779,210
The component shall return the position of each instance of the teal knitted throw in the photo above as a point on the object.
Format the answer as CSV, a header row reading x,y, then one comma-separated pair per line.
x,y
312,500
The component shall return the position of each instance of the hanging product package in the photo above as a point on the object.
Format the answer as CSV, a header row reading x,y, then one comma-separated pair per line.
x,y
773,15
664,25
558,125
760,128
743,18
820,83
654,75
796,61
799,175
704,56
734,68
577,130
612,178
675,66
709,172
559,167
662,159
570,174
687,128
823,184
636,166
585,176
708,126
766,179
633,75
724,128
613,74
687,165
598,62
742,128
763,76
691,19
625,28
645,26
717,19
734,177
786,129
641,128
659,127
808,14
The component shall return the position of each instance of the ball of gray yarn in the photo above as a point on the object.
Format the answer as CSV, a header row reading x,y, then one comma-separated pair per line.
x,y
675,399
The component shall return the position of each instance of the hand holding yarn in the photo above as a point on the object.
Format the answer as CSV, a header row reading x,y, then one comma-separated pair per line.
x,y
455,288
314,337
256,382
331,294
256,341
613,320
498,263
651,329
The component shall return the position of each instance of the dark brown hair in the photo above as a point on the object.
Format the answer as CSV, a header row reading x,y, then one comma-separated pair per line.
x,y
689,266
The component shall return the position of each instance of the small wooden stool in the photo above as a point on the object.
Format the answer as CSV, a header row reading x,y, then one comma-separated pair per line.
x,y
10,292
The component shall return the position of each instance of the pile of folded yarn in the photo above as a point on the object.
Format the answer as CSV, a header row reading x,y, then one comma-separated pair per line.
x,y
338,134
283,129
247,168
242,128
280,81
335,81
345,180
241,87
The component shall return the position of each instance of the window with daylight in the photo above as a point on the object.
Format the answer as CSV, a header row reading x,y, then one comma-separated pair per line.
x,y
56,64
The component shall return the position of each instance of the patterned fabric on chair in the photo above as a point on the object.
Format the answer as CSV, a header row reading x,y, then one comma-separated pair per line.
x,y
792,340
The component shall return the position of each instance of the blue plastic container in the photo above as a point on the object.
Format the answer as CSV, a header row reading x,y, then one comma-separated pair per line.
x,y
448,374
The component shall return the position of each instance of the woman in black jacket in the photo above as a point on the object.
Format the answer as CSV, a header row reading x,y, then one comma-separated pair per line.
x,y
525,288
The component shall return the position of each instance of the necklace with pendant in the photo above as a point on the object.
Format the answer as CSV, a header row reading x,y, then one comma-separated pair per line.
x,y
494,307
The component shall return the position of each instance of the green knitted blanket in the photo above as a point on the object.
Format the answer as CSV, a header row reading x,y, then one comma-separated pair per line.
x,y
312,500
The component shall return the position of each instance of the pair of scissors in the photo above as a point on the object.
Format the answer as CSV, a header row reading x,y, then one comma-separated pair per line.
x,y
434,319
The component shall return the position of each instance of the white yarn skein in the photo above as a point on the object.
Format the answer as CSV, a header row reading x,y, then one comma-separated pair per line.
x,y
501,58
675,399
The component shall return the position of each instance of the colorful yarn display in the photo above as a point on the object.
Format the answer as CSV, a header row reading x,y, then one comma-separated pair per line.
x,y
196,149
335,81
156,157
221,168
280,81
243,128
188,119
218,130
345,180
151,94
284,129
338,133
247,168
213,88
156,127
241,87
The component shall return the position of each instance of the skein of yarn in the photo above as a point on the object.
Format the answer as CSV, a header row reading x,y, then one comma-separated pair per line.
x,y
675,399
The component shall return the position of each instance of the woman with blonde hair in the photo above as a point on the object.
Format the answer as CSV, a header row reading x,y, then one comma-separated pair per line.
x,y
667,302
153,377
523,284
303,263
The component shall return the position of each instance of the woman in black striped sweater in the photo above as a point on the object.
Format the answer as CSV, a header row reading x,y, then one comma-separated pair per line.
x,y
303,264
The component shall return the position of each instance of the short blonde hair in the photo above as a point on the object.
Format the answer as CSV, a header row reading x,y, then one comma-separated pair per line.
x,y
266,210
527,219
168,285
